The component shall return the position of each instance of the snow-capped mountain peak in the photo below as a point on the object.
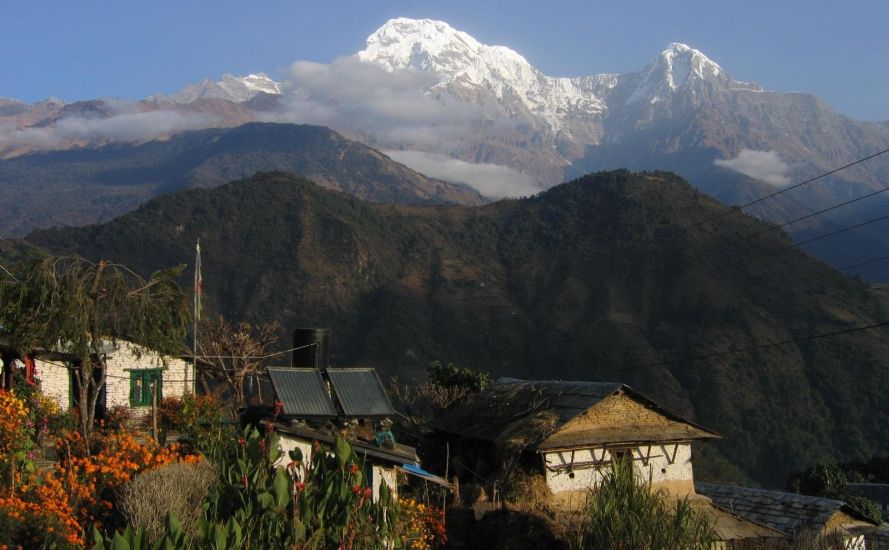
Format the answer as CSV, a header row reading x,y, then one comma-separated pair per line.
x,y
435,46
469,69
230,87
681,62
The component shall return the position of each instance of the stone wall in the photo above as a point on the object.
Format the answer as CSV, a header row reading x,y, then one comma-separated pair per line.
x,y
55,378
380,473
665,466
55,381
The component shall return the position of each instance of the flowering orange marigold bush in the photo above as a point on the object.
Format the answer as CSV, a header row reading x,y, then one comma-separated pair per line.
x,y
34,525
89,480
79,493
16,432
421,527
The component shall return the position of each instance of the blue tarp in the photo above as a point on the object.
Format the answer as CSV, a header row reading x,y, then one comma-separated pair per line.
x,y
415,470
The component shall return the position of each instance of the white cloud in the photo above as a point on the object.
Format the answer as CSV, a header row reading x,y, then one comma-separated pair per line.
x,y
124,126
491,180
387,109
765,166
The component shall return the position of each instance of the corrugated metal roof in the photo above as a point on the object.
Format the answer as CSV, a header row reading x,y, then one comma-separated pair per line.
x,y
302,392
360,392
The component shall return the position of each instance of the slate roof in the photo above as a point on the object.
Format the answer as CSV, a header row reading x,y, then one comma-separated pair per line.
x,y
786,512
521,414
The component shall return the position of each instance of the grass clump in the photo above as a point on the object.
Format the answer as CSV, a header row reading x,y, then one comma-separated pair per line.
x,y
624,514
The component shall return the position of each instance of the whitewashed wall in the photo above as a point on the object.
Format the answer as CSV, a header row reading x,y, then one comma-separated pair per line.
x,y
124,360
379,473
55,379
667,466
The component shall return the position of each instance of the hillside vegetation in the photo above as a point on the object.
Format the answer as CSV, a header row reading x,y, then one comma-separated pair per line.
x,y
602,278
96,184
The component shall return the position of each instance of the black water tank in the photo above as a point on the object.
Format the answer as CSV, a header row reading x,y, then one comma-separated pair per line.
x,y
311,356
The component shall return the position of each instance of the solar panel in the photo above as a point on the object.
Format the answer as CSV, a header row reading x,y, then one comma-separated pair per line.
x,y
360,392
302,392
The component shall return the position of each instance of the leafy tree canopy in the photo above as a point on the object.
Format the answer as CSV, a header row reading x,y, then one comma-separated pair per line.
x,y
451,376
71,305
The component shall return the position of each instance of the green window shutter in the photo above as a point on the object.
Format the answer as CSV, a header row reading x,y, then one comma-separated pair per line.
x,y
140,386
135,388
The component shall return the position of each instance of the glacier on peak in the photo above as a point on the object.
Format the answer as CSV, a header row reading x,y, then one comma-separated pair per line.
x,y
230,87
468,68
474,71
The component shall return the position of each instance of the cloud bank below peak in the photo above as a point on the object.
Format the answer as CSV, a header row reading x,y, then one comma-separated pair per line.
x,y
118,127
388,108
492,180
765,166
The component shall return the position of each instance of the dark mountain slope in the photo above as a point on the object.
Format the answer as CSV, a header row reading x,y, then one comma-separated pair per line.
x,y
90,185
689,133
595,279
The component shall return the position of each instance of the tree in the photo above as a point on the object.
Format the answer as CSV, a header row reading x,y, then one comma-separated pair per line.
x,y
231,353
76,307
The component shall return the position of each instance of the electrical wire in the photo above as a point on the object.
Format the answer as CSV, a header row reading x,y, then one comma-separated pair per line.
x,y
738,208
749,348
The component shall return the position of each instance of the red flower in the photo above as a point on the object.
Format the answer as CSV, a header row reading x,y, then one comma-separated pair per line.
x,y
270,427
242,442
353,468
356,489
299,486
367,492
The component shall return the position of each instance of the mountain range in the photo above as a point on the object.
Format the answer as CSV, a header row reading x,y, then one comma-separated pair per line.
x,y
82,186
449,106
630,277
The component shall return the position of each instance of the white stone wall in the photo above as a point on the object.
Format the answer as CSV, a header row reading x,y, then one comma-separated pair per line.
x,y
287,443
389,476
661,465
379,473
124,360
55,380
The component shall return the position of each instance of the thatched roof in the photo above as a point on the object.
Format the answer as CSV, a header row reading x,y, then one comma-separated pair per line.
x,y
525,414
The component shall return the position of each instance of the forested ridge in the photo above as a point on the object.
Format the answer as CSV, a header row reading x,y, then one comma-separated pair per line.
x,y
608,277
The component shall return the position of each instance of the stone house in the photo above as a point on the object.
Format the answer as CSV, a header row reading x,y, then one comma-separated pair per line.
x,y
317,405
792,514
570,433
132,375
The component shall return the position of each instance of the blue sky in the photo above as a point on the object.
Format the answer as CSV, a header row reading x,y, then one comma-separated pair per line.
x,y
838,51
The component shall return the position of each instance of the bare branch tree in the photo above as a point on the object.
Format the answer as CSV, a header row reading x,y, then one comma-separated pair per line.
x,y
229,354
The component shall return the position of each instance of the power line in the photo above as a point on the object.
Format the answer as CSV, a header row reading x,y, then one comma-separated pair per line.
x,y
751,348
8,273
738,208
798,244
827,271
773,227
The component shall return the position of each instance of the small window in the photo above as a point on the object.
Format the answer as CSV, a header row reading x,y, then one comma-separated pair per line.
x,y
141,382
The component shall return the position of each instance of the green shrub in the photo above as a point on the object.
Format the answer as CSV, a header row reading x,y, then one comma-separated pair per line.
x,y
451,376
622,514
